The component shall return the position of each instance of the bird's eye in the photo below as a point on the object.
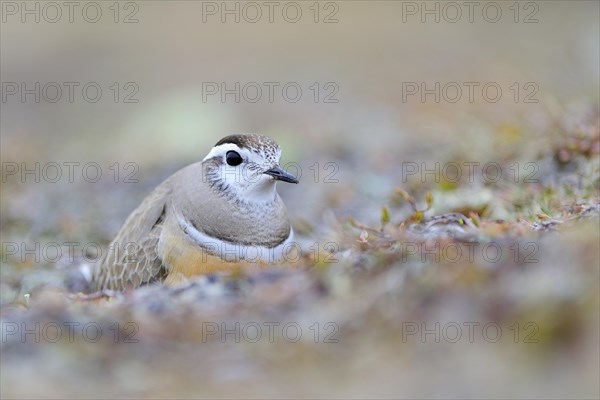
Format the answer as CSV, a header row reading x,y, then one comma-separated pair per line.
x,y
233,158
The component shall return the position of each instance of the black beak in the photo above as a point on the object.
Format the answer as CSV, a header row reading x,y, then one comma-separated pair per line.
x,y
280,175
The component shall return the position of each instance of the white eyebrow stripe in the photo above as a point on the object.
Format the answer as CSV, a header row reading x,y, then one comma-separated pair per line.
x,y
222,149
247,154
231,252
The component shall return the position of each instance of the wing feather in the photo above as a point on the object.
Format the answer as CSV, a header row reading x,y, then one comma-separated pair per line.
x,y
132,259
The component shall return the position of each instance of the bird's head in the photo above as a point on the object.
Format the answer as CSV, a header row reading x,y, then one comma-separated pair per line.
x,y
245,166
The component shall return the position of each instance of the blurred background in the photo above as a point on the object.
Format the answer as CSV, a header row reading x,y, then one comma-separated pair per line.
x,y
354,92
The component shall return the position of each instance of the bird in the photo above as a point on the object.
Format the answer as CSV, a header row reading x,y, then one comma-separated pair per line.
x,y
218,214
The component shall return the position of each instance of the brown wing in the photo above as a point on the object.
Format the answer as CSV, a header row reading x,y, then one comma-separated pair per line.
x,y
131,259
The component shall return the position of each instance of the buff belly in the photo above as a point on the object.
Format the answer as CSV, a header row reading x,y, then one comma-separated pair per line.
x,y
184,259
